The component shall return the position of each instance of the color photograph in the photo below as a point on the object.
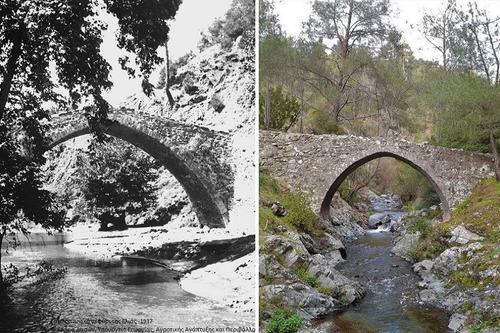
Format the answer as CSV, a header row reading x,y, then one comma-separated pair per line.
x,y
379,192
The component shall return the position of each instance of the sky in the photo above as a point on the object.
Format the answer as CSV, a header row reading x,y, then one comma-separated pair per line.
x,y
193,17
407,15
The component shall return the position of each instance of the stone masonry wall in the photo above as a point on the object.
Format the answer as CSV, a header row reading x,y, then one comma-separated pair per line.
x,y
199,153
312,163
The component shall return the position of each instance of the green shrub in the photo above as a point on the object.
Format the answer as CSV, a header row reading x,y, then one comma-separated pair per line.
x,y
422,225
347,193
284,321
285,110
299,215
307,278
324,290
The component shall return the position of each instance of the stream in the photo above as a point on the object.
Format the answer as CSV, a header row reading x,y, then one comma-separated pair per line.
x,y
95,293
390,304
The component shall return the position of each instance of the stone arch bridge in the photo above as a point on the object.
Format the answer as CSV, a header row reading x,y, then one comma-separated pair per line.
x,y
196,156
319,163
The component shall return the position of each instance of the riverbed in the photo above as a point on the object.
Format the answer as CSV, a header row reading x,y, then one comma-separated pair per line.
x,y
391,302
98,293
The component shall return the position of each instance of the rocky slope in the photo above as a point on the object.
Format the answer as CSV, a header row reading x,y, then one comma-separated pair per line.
x,y
459,261
297,260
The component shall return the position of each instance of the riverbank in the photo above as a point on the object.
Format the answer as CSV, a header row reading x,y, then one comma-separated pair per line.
x,y
459,261
298,281
212,263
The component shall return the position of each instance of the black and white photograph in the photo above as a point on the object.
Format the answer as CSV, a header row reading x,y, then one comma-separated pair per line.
x,y
128,166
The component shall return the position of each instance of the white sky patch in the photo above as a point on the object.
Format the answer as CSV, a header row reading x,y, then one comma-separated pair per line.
x,y
193,17
407,17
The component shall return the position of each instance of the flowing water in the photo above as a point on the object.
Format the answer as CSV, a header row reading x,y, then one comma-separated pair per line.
x,y
94,294
390,304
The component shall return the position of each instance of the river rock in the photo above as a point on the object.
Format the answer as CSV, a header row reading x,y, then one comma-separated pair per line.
x,y
290,249
344,221
457,322
405,244
346,291
298,295
378,219
309,243
262,265
461,235
448,260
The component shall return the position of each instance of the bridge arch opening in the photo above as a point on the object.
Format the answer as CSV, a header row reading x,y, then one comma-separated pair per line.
x,y
209,209
423,170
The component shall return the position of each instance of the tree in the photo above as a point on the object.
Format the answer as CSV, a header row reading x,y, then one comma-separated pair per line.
x,y
239,21
341,32
268,20
274,63
348,23
469,113
271,58
166,77
116,181
440,30
22,197
284,112
484,49
37,35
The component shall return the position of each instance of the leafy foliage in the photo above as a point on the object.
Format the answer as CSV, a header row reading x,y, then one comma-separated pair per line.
x,y
284,110
116,181
284,321
238,21
307,278
299,214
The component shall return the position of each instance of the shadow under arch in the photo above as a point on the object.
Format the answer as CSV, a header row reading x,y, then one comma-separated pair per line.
x,y
325,204
209,209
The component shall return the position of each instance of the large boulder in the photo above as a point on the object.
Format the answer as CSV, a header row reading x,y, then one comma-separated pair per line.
x,y
378,219
405,245
312,304
463,236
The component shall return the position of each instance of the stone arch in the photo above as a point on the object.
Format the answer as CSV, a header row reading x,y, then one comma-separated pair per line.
x,y
209,208
424,170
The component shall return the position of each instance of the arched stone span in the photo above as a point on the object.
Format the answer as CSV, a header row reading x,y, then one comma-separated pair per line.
x,y
196,156
317,164
325,205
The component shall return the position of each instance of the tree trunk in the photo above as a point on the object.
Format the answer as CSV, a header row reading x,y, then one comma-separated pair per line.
x,y
495,55
496,159
481,54
1,276
301,126
267,112
10,72
445,60
167,79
